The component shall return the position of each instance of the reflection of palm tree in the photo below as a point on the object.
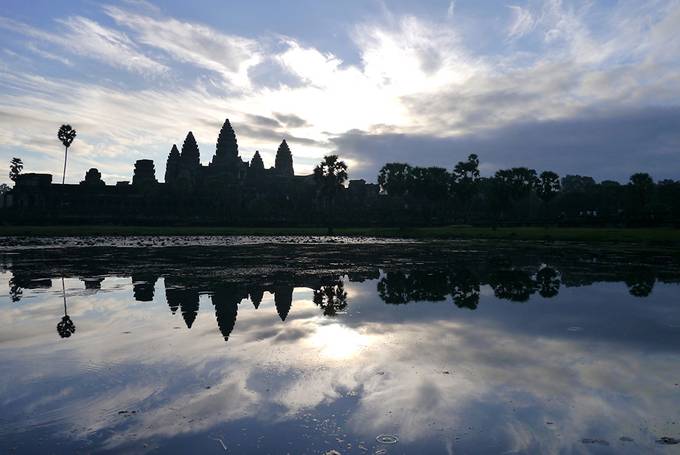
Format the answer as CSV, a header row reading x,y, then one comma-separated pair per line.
x,y
640,282
15,291
548,282
465,289
331,298
66,327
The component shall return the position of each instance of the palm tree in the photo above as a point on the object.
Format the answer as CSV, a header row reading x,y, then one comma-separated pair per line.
x,y
465,181
330,175
66,135
15,168
547,187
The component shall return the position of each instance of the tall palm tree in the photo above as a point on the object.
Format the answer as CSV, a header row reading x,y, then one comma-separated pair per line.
x,y
66,135
330,175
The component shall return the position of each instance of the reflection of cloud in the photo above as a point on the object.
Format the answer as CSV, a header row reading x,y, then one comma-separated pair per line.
x,y
337,342
444,377
636,139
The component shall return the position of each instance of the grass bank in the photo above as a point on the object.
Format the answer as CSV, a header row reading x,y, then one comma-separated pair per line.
x,y
651,235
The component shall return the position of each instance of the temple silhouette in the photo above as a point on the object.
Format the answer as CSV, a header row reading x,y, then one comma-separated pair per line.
x,y
229,190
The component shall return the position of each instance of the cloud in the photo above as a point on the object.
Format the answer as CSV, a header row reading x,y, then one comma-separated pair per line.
x,y
291,120
451,9
608,145
414,78
90,39
522,22
196,44
48,55
387,385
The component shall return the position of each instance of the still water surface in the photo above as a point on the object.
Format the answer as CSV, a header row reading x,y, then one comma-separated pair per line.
x,y
492,355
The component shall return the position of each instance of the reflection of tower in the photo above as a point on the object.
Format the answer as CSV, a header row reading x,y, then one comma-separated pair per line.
x,y
226,302
93,283
178,297
143,285
283,299
188,305
256,295
173,296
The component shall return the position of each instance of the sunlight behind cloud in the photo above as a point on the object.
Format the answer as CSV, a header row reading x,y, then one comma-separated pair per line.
x,y
406,74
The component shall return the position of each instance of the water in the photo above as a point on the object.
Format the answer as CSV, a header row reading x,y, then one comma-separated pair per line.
x,y
450,347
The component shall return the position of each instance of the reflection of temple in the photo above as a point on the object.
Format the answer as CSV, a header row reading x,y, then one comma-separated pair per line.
x,y
227,190
183,294
514,278
143,285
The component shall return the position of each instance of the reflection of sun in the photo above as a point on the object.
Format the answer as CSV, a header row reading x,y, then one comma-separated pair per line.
x,y
337,341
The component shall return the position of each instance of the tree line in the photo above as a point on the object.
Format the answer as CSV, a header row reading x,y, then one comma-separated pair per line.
x,y
521,195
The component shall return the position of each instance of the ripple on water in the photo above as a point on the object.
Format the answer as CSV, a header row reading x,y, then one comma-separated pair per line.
x,y
387,439
64,403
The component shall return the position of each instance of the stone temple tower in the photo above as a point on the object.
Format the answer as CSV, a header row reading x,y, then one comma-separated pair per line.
x,y
145,173
284,161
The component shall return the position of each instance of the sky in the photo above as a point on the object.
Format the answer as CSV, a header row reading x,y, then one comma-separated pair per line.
x,y
578,87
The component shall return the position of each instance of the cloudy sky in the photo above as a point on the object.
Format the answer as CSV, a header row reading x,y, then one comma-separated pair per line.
x,y
589,87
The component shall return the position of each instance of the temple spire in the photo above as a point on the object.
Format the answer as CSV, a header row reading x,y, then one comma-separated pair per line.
x,y
172,165
284,160
256,164
190,155
227,147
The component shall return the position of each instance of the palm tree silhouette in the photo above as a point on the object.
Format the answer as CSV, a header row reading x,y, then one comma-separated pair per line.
x,y
66,327
331,299
66,135
330,175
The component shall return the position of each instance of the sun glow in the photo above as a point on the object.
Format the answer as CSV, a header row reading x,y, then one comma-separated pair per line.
x,y
338,342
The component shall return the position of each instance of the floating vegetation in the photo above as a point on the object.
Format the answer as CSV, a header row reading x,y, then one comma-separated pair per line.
x,y
667,441
387,439
601,442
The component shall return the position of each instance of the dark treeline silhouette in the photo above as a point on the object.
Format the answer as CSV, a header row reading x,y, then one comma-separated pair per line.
x,y
520,195
457,278
233,191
